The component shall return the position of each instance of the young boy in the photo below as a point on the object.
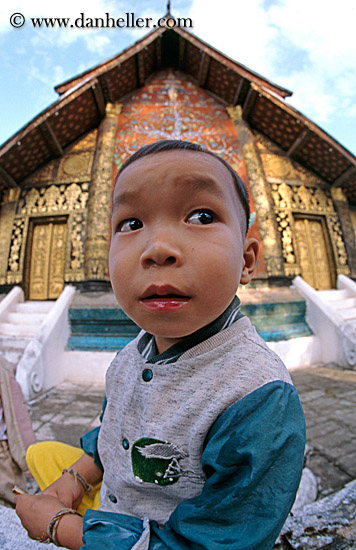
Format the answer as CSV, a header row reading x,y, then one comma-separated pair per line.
x,y
202,439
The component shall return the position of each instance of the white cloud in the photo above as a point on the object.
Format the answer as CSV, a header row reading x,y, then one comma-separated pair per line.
x,y
326,30
306,46
239,29
55,74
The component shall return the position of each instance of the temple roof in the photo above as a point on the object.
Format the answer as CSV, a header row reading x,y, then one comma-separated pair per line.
x,y
82,101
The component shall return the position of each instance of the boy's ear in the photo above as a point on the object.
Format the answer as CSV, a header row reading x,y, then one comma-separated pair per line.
x,y
250,252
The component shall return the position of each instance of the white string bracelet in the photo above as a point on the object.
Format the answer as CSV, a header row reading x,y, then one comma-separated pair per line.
x,y
53,524
78,477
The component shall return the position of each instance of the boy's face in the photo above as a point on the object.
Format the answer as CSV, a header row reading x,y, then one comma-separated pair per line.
x,y
178,250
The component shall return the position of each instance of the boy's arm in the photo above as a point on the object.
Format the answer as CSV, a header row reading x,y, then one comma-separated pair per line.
x,y
89,466
253,459
35,511
67,489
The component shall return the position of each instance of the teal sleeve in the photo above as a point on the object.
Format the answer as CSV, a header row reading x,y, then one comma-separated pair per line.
x,y
89,441
253,459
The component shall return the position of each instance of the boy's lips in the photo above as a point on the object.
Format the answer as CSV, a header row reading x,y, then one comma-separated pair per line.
x,y
163,298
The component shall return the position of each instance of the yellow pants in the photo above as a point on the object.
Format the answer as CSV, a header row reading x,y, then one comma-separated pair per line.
x,y
46,461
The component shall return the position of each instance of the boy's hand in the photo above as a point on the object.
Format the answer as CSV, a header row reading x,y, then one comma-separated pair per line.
x,y
66,490
35,511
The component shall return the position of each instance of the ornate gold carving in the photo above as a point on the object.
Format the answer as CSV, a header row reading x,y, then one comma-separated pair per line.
x,y
300,199
308,195
302,174
47,261
353,219
42,175
76,263
235,112
57,260
338,243
265,144
313,252
284,226
14,275
55,199
41,242
7,213
113,109
16,243
98,224
277,166
264,206
32,198
75,167
88,142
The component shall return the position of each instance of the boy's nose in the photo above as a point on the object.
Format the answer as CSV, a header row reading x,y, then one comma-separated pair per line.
x,y
161,253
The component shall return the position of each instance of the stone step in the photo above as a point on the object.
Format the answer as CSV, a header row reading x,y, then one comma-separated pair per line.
x,y
17,330
278,321
34,306
345,304
11,342
285,332
348,313
334,295
99,329
25,318
109,329
98,343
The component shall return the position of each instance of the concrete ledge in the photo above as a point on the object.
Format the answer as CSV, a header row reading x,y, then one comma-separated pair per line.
x,y
297,352
87,367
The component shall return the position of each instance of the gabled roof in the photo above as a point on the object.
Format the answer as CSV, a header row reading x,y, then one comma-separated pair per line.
x,y
82,102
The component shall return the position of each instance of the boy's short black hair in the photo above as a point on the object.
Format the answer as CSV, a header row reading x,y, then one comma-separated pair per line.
x,y
174,144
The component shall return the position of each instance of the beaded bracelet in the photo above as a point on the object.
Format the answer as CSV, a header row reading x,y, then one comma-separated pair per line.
x,y
53,524
78,477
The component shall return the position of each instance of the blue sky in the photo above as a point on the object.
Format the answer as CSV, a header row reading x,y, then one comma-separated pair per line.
x,y
308,46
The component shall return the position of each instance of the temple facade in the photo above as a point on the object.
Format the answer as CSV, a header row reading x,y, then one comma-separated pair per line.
x,y
57,173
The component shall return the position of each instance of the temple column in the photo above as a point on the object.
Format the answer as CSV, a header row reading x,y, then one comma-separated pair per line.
x,y
342,208
98,223
7,215
261,192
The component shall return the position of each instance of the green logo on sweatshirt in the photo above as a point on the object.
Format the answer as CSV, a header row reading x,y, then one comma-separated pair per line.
x,y
156,461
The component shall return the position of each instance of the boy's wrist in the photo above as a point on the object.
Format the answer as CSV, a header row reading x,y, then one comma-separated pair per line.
x,y
78,479
70,532
87,468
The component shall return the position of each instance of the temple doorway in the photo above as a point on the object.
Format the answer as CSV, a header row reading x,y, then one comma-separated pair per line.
x,y
46,253
315,253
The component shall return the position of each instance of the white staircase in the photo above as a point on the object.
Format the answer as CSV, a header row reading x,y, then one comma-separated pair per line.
x,y
18,325
332,316
343,301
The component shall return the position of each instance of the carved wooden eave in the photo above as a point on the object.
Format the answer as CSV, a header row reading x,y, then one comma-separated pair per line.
x,y
82,103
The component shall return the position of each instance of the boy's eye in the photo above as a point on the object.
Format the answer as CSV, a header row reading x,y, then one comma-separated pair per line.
x,y
129,225
201,217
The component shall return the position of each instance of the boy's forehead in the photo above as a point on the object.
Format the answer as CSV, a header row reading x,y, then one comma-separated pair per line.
x,y
190,164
